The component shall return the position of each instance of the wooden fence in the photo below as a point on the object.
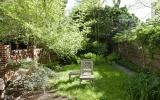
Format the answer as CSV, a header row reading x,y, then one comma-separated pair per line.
x,y
134,53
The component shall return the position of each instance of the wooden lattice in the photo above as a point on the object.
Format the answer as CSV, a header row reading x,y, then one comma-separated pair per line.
x,y
86,67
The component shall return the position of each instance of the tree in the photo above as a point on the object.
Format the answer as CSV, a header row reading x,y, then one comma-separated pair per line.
x,y
40,22
102,24
146,35
116,3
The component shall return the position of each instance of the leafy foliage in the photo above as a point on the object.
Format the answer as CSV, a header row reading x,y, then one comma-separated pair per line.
x,y
90,56
112,58
54,67
146,34
35,22
37,76
101,24
144,87
38,79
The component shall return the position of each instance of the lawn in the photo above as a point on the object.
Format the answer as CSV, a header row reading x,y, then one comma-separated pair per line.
x,y
108,84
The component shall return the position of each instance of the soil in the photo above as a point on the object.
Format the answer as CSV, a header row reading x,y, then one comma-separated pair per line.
x,y
48,95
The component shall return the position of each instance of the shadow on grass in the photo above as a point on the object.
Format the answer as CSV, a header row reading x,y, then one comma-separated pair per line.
x,y
108,84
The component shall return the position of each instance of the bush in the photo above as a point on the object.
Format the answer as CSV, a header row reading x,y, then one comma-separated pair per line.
x,y
112,58
29,76
100,60
144,87
53,66
13,65
90,56
38,79
28,64
76,60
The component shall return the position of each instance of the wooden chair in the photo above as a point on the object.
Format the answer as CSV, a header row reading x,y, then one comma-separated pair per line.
x,y
73,73
86,70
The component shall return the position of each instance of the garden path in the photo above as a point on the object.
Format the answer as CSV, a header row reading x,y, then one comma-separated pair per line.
x,y
125,70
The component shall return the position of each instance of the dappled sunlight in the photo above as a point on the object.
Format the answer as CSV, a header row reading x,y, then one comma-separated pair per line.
x,y
108,80
112,74
92,53
107,74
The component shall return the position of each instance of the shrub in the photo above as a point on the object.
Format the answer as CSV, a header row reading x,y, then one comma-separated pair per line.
x,y
38,79
112,57
54,66
76,60
100,59
144,87
28,64
89,56
13,65
35,77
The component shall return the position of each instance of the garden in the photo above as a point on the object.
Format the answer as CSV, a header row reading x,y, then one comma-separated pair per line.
x,y
92,52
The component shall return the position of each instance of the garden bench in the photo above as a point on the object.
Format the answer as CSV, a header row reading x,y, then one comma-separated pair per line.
x,y
73,73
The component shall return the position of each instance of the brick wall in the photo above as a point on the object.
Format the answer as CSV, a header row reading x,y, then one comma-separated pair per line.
x,y
17,55
4,54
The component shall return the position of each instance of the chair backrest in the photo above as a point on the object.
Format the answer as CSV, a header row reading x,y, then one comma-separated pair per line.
x,y
86,67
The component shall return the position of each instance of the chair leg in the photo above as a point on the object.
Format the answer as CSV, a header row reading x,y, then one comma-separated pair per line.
x,y
80,81
69,77
92,82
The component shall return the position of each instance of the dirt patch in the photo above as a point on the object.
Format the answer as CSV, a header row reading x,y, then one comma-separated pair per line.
x,y
49,95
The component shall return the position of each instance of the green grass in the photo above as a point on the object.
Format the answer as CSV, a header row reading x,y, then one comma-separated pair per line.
x,y
108,84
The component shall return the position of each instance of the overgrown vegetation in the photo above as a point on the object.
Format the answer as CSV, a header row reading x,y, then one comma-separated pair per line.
x,y
35,22
101,24
91,31
144,86
28,76
145,35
